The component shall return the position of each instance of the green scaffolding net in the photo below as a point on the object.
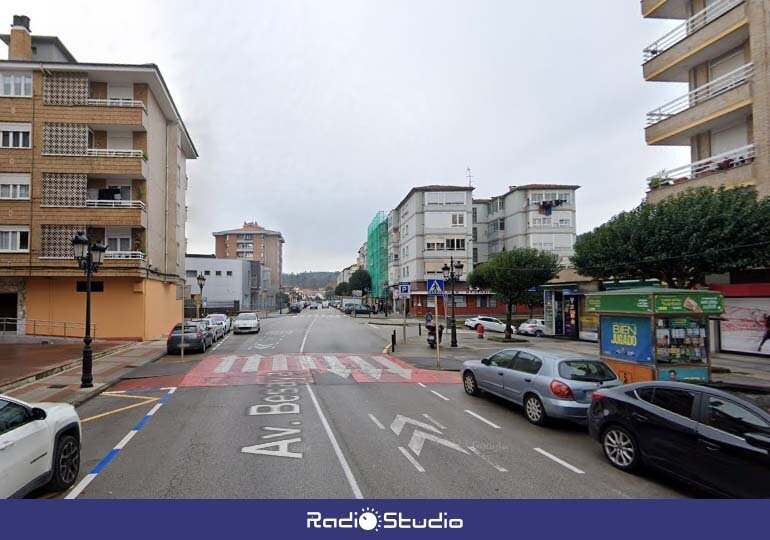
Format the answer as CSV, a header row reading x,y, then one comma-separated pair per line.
x,y
377,254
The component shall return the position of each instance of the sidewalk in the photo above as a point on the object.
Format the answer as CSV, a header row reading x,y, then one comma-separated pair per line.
x,y
109,368
729,367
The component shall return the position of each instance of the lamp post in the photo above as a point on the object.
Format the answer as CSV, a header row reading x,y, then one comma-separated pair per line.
x,y
452,273
201,282
89,257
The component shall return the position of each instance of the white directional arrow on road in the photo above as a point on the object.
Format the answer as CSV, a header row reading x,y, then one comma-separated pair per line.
x,y
419,436
400,421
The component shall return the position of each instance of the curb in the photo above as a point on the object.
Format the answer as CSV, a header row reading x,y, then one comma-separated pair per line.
x,y
96,390
58,369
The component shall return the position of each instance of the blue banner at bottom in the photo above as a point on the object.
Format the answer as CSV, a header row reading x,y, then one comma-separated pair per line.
x,y
703,519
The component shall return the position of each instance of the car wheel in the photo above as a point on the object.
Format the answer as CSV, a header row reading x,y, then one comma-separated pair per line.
x,y
66,463
538,333
620,448
469,383
534,410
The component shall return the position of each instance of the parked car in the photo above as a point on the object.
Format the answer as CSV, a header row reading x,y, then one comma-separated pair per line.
x,y
246,322
224,319
361,309
325,304
314,305
217,331
295,308
349,308
196,336
532,327
547,383
39,446
712,437
490,323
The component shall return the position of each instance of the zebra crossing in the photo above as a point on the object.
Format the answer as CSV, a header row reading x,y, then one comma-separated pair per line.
x,y
234,370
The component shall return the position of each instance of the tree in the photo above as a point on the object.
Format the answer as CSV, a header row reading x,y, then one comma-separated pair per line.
x,y
512,273
342,289
360,280
681,239
329,292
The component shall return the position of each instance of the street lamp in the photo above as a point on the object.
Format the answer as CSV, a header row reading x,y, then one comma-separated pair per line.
x,y
452,273
201,282
89,257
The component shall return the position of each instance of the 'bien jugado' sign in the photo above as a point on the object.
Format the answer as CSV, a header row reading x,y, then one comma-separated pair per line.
x,y
627,338
624,334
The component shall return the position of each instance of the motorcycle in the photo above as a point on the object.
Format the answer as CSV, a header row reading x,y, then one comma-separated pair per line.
x,y
431,328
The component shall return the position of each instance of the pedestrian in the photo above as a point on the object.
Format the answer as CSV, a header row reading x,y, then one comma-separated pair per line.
x,y
767,332
671,374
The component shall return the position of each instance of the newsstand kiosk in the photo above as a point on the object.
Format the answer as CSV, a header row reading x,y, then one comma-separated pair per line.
x,y
655,333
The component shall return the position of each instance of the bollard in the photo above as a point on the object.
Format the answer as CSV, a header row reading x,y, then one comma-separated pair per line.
x,y
393,342
419,329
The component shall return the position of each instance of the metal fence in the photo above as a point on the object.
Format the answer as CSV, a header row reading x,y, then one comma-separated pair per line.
x,y
34,327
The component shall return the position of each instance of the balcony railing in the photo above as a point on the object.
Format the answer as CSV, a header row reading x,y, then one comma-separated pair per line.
x,y
124,255
709,90
109,152
115,102
114,204
720,162
690,26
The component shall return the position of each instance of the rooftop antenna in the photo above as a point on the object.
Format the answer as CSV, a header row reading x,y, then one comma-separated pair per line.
x,y
470,177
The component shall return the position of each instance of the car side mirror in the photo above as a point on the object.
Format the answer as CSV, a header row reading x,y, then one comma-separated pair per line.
x,y
760,440
38,414
485,361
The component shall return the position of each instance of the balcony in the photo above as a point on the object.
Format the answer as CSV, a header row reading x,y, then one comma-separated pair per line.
x,y
134,255
115,204
709,107
101,162
719,28
102,113
664,9
729,169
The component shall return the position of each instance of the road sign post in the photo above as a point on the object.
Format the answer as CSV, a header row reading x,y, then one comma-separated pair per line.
x,y
404,291
436,289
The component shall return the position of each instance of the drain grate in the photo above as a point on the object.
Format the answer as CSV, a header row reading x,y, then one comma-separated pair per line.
x,y
58,386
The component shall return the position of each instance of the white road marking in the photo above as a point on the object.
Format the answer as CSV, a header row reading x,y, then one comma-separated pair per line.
x,y
307,333
87,479
483,419
280,363
431,419
422,385
130,435
252,363
419,437
376,422
394,368
366,368
559,461
400,421
485,458
154,409
225,365
337,450
337,367
439,395
411,459
307,362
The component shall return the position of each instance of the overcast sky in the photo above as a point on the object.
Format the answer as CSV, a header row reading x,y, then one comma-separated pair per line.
x,y
310,116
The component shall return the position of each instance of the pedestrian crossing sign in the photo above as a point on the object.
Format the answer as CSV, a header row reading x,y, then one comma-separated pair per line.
x,y
435,287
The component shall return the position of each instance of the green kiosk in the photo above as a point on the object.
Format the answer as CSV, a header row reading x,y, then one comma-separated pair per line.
x,y
656,333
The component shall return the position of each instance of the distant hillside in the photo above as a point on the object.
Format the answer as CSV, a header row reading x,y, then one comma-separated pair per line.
x,y
310,280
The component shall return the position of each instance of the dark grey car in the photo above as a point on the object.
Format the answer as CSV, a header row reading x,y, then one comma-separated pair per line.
x,y
547,383
196,337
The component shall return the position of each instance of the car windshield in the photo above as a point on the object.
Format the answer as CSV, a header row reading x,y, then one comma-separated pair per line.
x,y
188,329
532,321
585,370
217,317
247,316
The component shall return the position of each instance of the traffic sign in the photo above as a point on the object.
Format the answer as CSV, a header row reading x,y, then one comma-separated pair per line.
x,y
205,299
435,287
357,293
404,289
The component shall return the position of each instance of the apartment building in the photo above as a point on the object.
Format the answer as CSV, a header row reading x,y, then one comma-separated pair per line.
x,y
361,257
344,275
254,242
89,147
718,51
539,216
231,284
377,255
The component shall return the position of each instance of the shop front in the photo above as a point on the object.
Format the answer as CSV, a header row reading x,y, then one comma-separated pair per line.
x,y
656,334
744,327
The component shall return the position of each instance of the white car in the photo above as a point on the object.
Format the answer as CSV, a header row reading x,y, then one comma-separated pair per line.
x,y
223,319
246,322
314,305
490,323
39,446
325,304
532,327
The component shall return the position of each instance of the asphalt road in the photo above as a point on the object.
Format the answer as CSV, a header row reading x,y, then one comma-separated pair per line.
x,y
311,408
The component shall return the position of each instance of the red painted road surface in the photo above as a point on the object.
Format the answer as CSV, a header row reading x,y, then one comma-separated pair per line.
x,y
234,370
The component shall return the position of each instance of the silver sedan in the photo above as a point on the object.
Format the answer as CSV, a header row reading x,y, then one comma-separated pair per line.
x,y
546,383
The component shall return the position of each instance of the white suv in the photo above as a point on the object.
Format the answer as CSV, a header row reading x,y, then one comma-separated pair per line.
x,y
39,446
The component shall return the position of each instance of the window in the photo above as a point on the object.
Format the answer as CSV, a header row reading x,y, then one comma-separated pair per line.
x,y
541,222
475,234
12,415
502,359
191,273
564,196
118,239
584,370
15,135
455,244
460,301
207,272
229,272
729,417
16,84
14,186
218,273
536,198
458,220
14,239
564,223
501,224
475,255
676,401
527,363
474,215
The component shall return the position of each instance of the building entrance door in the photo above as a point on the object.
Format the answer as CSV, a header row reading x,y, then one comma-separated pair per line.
x,y
8,311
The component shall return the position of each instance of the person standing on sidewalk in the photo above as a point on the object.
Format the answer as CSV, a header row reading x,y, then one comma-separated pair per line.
x,y
767,332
